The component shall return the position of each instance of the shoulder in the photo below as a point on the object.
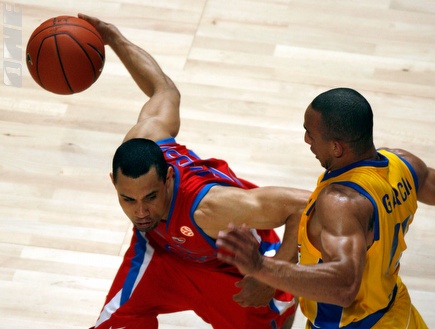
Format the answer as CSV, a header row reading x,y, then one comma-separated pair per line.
x,y
424,176
416,164
340,212
341,200
338,192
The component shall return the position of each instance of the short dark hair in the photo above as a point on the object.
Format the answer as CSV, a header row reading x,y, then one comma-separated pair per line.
x,y
136,157
347,116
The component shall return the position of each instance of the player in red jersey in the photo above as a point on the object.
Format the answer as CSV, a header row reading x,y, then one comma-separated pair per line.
x,y
178,203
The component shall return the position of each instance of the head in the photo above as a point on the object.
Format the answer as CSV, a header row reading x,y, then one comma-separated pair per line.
x,y
339,127
143,180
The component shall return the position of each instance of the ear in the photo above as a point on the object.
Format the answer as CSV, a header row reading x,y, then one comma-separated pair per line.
x,y
111,178
170,173
337,148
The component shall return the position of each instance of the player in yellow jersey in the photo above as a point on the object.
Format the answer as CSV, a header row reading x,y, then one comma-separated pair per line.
x,y
351,234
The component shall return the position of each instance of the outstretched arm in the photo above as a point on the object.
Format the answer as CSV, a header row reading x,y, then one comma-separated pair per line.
x,y
253,292
260,208
159,117
341,239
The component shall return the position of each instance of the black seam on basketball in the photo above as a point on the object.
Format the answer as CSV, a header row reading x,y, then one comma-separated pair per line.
x,y
83,27
90,30
98,52
86,54
60,62
69,24
37,59
39,32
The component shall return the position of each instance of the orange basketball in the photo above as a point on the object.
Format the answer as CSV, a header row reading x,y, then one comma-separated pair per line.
x,y
65,55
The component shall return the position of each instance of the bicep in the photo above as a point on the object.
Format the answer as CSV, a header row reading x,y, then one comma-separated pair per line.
x,y
343,230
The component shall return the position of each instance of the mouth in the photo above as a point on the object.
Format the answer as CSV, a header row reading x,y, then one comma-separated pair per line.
x,y
144,224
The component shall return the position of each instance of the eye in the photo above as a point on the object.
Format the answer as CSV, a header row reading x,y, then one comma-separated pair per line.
x,y
152,197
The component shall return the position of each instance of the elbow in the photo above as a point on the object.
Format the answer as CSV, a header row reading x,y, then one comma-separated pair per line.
x,y
175,95
170,85
347,294
346,300
349,278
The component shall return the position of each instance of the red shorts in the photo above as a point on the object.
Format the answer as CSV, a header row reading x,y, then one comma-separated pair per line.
x,y
166,284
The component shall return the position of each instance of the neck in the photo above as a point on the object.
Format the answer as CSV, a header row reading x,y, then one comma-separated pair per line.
x,y
371,154
349,158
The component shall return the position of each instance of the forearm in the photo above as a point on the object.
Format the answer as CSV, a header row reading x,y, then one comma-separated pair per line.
x,y
320,282
288,250
334,281
289,246
141,65
144,70
159,117
161,111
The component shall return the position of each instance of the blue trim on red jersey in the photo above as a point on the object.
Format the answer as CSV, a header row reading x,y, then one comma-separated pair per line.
x,y
169,140
198,199
174,197
273,324
136,262
266,246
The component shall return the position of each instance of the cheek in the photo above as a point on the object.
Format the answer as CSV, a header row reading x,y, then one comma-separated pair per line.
x,y
126,207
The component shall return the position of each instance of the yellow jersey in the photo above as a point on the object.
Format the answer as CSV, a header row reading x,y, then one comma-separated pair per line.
x,y
391,186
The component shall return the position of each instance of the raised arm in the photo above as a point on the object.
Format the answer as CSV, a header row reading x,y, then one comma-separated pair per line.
x,y
159,117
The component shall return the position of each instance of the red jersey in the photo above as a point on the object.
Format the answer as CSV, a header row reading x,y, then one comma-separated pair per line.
x,y
194,177
174,267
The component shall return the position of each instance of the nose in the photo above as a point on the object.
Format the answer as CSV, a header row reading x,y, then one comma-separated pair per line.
x,y
307,138
141,210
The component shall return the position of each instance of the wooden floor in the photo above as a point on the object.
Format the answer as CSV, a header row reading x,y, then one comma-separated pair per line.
x,y
246,70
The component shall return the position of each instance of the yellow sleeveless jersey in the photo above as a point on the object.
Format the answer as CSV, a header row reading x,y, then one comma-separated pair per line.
x,y
391,186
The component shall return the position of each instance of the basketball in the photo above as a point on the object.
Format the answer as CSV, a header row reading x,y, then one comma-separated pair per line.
x,y
65,55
